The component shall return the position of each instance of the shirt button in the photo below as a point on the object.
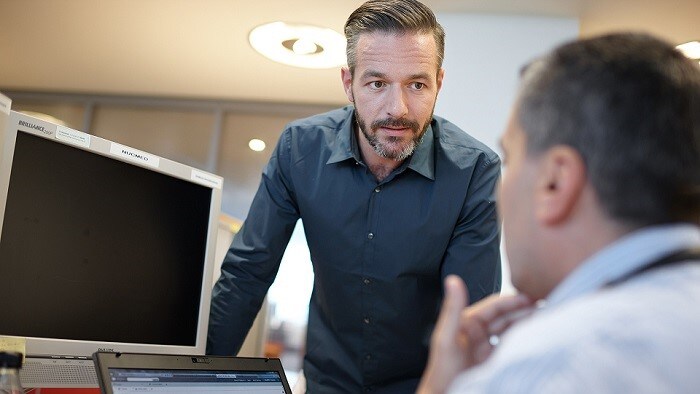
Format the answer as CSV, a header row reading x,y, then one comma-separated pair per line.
x,y
366,281
377,189
370,235
366,320
368,356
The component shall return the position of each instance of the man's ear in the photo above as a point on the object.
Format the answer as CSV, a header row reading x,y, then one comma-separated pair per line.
x,y
440,76
561,181
346,76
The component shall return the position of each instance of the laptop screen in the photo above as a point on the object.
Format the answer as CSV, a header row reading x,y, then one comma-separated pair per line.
x,y
195,381
162,373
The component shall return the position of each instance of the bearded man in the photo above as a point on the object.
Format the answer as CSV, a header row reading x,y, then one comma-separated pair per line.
x,y
393,199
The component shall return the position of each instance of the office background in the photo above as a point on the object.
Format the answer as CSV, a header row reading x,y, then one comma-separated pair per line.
x,y
179,79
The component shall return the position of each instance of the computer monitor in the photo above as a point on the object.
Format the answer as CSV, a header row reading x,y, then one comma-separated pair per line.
x,y
103,247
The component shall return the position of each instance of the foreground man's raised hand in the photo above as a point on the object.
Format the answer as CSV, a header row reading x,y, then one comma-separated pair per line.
x,y
462,334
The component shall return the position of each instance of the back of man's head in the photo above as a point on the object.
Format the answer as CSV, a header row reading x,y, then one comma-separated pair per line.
x,y
630,105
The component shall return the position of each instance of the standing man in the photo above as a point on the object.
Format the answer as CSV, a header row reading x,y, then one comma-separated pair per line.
x,y
393,199
601,219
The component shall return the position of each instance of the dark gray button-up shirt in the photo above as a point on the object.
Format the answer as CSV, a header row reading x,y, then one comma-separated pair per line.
x,y
379,249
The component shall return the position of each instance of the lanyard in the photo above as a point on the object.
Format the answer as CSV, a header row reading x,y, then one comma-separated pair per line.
x,y
673,258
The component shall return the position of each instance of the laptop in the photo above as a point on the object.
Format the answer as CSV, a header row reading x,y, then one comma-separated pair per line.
x,y
166,373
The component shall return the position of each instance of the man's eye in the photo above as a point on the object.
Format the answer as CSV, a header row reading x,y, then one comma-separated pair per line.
x,y
417,85
376,84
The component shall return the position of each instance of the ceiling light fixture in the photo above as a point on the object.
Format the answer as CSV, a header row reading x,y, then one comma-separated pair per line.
x,y
256,145
299,45
690,49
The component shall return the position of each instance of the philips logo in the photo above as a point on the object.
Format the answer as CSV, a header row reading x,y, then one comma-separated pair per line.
x,y
35,127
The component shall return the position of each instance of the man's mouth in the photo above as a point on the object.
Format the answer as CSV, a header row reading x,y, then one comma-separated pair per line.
x,y
393,131
396,127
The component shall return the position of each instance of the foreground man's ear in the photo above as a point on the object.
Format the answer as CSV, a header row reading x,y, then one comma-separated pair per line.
x,y
561,180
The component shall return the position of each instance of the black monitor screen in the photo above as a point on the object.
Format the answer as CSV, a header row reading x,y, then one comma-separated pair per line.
x,y
94,248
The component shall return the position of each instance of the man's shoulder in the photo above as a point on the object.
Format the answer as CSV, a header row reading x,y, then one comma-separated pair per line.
x,y
647,309
319,134
457,143
331,120
644,329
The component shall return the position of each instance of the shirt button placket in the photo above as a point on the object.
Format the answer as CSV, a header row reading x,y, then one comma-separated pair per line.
x,y
366,323
369,367
376,190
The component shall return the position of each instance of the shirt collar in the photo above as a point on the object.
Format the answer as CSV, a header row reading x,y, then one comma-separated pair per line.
x,y
631,252
346,147
422,160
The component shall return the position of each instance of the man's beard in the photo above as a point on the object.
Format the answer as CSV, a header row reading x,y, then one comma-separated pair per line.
x,y
384,148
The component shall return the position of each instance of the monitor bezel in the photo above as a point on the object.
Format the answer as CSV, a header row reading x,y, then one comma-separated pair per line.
x,y
52,347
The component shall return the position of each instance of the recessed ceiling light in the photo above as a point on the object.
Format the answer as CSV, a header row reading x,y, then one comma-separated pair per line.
x,y
256,145
690,49
299,45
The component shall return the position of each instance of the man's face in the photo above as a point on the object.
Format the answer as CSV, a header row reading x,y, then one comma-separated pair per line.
x,y
394,89
516,205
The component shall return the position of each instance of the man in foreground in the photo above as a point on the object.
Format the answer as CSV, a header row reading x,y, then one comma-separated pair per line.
x,y
600,203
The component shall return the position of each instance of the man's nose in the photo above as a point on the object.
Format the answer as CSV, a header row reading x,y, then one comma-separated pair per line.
x,y
396,105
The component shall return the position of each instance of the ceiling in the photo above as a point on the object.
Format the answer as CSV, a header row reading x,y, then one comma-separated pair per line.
x,y
199,49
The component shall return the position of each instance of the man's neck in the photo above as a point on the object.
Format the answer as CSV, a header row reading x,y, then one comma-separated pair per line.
x,y
571,243
379,166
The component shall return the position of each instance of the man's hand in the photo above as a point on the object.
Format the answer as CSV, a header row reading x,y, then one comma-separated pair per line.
x,y
462,335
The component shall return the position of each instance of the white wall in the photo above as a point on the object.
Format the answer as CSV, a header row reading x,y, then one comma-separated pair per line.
x,y
483,56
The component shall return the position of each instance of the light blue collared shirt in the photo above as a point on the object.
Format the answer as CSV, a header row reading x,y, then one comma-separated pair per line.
x,y
639,336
